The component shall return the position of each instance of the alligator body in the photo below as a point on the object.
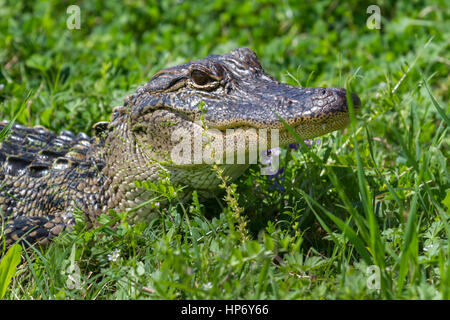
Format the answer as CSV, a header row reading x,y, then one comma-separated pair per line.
x,y
46,177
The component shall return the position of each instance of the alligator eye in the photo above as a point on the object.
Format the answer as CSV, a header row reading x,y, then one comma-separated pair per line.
x,y
200,78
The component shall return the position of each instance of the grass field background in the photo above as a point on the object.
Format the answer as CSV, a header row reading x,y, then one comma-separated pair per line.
x,y
362,213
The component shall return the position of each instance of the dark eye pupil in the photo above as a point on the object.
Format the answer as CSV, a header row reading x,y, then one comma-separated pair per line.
x,y
200,77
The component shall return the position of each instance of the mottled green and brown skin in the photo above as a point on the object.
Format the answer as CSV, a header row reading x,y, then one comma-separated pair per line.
x,y
46,177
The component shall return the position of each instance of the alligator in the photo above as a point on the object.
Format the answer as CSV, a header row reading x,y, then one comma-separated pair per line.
x,y
45,178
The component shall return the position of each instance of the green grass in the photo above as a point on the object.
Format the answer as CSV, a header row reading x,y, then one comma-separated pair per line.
x,y
375,194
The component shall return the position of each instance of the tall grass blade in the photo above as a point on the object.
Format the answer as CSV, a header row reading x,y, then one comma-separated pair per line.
x,y
8,266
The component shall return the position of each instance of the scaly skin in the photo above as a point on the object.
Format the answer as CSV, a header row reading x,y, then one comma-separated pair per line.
x,y
46,177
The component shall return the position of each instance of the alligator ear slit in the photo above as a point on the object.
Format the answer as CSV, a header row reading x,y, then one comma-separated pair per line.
x,y
162,81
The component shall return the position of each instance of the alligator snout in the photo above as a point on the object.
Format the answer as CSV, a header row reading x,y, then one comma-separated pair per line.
x,y
336,98
342,97
314,105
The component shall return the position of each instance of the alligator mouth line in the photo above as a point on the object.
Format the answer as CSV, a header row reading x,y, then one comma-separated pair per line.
x,y
195,116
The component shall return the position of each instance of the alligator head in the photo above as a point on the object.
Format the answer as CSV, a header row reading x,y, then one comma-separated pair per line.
x,y
211,96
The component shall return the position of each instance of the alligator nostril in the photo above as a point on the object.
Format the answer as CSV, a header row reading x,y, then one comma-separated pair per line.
x,y
356,101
